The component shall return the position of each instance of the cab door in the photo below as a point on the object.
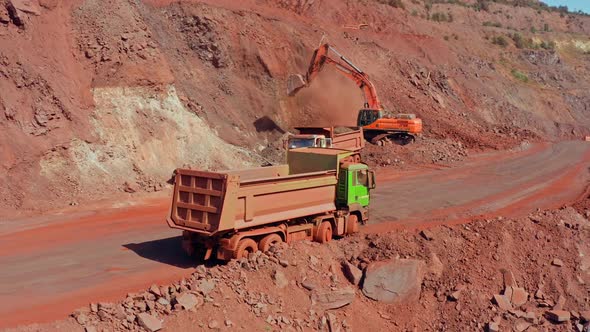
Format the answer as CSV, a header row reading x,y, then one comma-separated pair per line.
x,y
360,187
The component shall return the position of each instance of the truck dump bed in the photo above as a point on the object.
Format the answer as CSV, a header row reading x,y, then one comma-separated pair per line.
x,y
213,203
346,138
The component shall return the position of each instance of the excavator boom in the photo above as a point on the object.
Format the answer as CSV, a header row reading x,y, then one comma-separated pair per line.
x,y
402,127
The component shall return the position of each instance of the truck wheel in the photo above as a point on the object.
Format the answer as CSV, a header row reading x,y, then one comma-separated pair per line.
x,y
324,233
269,241
352,225
245,247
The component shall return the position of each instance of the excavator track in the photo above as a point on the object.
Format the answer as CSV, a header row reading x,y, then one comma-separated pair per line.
x,y
397,138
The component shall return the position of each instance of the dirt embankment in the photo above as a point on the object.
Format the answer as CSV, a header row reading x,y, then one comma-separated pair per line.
x,y
528,273
98,99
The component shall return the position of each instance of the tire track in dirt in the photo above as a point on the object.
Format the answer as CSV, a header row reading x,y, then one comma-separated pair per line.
x,y
549,178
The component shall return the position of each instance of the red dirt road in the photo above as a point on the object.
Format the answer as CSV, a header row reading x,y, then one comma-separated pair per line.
x,y
54,264
509,184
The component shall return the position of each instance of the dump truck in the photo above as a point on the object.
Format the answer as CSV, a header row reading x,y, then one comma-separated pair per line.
x,y
346,138
319,194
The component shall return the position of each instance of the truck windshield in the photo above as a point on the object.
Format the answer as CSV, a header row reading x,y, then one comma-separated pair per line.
x,y
362,177
295,143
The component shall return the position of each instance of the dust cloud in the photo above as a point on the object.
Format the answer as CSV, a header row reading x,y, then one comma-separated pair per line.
x,y
332,99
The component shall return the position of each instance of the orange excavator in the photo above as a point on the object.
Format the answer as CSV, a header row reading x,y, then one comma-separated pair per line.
x,y
402,128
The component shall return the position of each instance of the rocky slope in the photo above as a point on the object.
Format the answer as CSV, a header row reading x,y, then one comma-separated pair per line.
x,y
101,97
502,274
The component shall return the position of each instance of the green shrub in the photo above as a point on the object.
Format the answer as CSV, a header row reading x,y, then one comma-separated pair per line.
x,y
548,45
451,2
518,40
537,5
533,30
393,3
521,42
481,5
492,24
520,75
414,12
500,40
441,17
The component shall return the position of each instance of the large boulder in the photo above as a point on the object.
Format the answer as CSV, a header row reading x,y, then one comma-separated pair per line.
x,y
394,281
187,300
27,6
149,322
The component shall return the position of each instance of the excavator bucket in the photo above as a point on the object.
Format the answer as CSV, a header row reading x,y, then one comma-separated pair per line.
x,y
295,83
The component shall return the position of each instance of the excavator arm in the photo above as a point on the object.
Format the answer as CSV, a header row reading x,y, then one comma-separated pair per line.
x,y
401,128
320,58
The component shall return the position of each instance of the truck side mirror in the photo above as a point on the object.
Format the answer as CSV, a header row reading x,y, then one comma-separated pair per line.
x,y
372,184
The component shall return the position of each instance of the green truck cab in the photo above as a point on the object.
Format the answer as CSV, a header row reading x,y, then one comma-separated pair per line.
x,y
354,179
354,183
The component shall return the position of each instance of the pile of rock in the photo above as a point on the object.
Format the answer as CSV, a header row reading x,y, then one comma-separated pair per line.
x,y
514,309
18,11
399,268
146,309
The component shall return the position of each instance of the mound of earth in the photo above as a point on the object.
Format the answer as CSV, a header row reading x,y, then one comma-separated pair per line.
x,y
529,272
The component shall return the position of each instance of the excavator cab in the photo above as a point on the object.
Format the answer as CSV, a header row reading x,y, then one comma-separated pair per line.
x,y
368,116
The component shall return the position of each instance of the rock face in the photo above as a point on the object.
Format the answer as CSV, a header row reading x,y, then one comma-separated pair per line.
x,y
280,279
187,300
503,302
394,281
557,262
294,84
558,316
519,296
149,322
206,286
333,299
352,273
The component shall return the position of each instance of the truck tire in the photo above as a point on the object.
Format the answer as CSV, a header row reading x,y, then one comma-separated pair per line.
x,y
324,232
352,225
245,247
269,241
